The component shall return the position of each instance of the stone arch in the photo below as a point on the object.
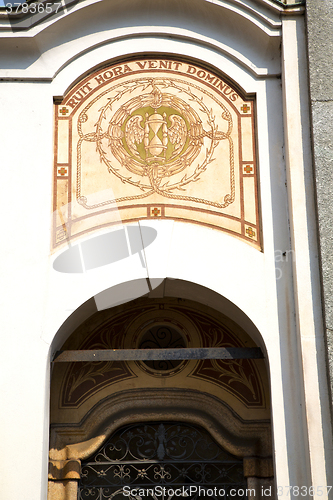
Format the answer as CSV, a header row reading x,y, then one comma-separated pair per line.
x,y
155,287
70,442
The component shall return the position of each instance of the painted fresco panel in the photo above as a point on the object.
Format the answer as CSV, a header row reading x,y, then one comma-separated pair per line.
x,y
155,139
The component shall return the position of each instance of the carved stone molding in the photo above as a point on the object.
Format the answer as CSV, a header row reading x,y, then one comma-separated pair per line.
x,y
239,437
71,443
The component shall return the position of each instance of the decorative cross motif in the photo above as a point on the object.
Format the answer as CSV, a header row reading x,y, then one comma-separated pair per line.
x,y
61,234
62,171
64,111
248,169
245,108
250,232
142,473
155,212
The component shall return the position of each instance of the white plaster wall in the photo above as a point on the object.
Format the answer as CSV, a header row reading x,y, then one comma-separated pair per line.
x,y
26,158
45,48
36,300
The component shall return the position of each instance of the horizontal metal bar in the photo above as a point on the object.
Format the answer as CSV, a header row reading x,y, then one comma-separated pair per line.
x,y
159,354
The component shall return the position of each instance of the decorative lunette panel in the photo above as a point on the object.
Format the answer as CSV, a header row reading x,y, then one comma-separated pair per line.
x,y
155,138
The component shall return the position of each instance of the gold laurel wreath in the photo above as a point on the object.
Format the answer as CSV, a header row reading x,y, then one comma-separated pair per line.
x,y
167,189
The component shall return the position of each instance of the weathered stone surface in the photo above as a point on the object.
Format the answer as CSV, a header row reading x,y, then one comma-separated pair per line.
x,y
64,469
320,39
258,467
329,336
260,488
322,113
320,47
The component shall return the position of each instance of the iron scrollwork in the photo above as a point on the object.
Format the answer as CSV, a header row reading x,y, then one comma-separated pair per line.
x,y
162,337
168,454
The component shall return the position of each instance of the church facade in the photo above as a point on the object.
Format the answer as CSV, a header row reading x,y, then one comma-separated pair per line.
x,y
167,272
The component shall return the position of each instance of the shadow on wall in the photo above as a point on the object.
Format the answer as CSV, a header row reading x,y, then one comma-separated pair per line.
x,y
105,249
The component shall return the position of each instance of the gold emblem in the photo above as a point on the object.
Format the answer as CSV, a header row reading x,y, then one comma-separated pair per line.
x,y
155,135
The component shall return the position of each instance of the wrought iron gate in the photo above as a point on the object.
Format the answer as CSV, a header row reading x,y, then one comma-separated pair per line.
x,y
160,461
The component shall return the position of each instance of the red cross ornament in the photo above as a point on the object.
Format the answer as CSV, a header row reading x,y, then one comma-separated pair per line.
x,y
250,232
155,212
62,171
63,111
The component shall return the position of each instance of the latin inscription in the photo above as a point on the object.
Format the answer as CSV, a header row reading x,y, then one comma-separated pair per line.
x,y
151,65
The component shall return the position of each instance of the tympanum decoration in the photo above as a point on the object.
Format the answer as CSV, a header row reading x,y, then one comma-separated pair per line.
x,y
239,377
155,138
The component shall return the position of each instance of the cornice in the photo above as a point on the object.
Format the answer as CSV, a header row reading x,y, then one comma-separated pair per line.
x,y
266,14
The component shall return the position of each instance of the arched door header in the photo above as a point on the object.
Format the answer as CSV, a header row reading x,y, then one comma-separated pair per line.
x,y
240,438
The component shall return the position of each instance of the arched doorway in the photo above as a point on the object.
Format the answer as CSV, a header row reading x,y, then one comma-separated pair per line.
x,y
227,399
